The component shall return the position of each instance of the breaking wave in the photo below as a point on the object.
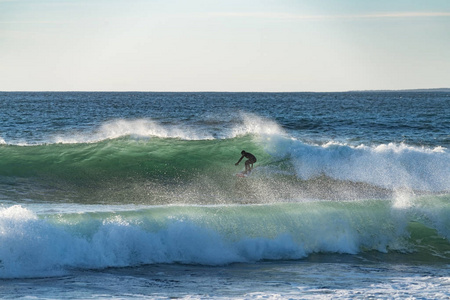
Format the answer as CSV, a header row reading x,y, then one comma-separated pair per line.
x,y
51,243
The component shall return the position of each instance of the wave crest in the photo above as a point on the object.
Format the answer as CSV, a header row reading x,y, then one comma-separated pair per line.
x,y
253,124
148,128
140,128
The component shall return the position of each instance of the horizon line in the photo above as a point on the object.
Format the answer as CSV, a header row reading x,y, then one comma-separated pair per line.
x,y
267,92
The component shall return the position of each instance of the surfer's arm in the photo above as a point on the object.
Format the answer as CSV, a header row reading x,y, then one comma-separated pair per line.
x,y
239,160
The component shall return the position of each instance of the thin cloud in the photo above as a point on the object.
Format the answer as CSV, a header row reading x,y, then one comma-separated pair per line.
x,y
268,15
288,16
405,15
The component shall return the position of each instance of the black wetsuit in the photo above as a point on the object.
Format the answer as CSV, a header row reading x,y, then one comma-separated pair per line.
x,y
251,159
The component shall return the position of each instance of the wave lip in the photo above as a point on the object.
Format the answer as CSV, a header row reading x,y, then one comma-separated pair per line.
x,y
145,128
256,125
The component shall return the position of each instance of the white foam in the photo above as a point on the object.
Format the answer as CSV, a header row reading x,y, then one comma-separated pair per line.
x,y
402,199
16,213
390,165
253,124
138,128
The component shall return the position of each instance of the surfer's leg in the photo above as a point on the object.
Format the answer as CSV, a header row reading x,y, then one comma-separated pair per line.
x,y
247,166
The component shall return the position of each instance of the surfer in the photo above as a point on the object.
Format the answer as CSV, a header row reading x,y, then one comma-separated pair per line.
x,y
251,159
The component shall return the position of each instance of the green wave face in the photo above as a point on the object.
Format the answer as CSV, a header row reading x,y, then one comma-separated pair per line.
x,y
123,156
127,169
168,170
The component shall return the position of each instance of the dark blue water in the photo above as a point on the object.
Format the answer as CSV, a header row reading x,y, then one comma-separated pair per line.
x,y
416,118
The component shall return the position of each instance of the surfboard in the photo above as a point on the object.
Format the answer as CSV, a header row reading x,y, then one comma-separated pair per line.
x,y
243,174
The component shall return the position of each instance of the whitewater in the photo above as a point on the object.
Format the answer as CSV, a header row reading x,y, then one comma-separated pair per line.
x,y
134,195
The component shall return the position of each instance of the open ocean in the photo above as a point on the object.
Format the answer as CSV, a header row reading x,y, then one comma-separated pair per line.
x,y
134,195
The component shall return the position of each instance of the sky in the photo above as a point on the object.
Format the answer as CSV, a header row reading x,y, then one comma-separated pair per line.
x,y
226,45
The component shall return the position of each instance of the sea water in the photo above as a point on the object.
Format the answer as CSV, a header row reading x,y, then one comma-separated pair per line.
x,y
134,195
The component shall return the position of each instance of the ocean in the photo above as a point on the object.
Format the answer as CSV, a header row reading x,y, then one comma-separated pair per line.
x,y
134,195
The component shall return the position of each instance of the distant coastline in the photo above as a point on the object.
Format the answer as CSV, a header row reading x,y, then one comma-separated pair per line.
x,y
445,90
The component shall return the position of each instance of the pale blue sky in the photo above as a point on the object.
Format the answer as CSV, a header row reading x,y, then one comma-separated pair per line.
x,y
209,45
